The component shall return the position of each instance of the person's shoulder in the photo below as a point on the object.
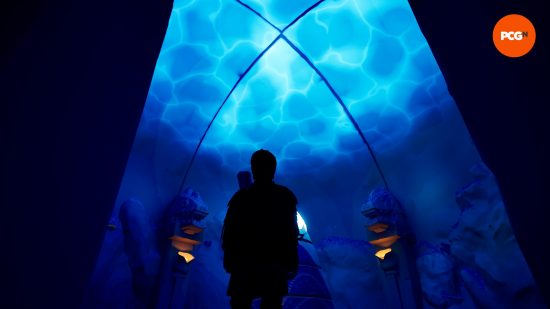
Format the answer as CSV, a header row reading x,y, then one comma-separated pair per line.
x,y
281,188
286,192
239,195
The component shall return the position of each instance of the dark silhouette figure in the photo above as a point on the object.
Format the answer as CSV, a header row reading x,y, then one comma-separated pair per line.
x,y
260,237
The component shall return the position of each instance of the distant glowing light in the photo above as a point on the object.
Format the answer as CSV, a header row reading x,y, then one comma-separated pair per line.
x,y
378,227
385,242
182,243
191,229
381,254
186,255
301,223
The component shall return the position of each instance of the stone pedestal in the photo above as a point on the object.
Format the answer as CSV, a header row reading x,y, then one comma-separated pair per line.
x,y
185,221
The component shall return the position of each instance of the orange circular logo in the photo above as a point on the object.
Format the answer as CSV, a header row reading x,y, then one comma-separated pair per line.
x,y
514,35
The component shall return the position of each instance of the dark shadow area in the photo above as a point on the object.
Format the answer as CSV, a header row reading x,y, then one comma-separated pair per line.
x,y
74,78
502,101
266,213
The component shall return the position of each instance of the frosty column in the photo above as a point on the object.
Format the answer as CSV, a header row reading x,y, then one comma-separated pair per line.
x,y
388,231
184,225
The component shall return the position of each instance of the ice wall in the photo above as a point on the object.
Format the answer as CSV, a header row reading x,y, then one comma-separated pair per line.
x,y
346,94
228,75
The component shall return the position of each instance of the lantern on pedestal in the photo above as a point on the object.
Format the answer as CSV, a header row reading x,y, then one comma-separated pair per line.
x,y
388,232
383,221
184,226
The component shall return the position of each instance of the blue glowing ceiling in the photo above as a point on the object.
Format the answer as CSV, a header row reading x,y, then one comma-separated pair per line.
x,y
326,86
345,93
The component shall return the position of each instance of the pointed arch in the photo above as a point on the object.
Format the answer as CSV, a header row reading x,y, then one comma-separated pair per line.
x,y
281,36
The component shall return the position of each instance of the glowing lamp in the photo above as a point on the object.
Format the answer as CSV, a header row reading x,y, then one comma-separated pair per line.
x,y
183,243
187,212
188,257
384,223
381,254
384,242
378,227
185,240
184,226
389,234
191,229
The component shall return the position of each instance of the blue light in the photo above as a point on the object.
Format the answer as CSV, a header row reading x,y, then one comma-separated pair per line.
x,y
232,78
345,93
302,227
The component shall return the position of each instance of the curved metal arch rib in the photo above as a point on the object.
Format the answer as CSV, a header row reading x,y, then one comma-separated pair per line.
x,y
241,77
311,64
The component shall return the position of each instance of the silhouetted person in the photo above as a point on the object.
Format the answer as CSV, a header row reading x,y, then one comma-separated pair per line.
x,y
260,237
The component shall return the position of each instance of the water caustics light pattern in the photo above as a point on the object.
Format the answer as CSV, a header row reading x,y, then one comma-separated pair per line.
x,y
326,86
345,93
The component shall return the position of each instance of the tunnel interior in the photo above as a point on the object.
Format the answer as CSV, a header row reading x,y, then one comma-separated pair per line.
x,y
351,101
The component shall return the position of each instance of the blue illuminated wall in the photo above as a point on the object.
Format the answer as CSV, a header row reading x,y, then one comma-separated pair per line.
x,y
346,94
314,89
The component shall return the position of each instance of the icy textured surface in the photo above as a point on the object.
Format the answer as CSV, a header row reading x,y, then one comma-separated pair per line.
x,y
316,89
227,75
352,271
437,269
480,264
482,242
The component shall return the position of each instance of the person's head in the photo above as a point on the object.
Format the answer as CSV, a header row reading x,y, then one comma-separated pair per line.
x,y
245,179
263,164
